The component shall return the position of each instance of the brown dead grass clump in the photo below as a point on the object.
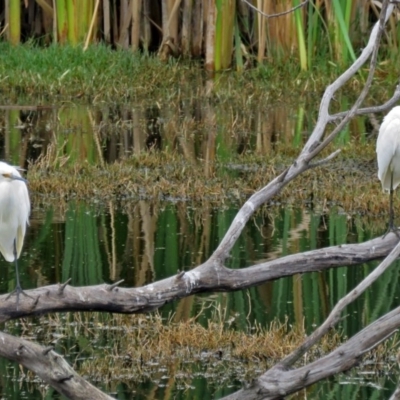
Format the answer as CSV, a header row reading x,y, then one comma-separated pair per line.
x,y
145,345
134,348
347,182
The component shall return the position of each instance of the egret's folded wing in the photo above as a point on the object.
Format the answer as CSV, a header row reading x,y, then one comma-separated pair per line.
x,y
387,149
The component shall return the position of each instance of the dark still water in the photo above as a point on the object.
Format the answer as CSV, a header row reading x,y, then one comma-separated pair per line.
x,y
72,132
147,242
144,241
150,242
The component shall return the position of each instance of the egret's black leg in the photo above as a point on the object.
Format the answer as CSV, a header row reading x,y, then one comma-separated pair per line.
x,y
391,212
18,289
391,227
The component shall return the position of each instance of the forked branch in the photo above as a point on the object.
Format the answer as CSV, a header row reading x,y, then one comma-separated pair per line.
x,y
315,143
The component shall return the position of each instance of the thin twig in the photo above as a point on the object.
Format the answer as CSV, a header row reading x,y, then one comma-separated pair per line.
x,y
371,110
352,112
325,160
278,14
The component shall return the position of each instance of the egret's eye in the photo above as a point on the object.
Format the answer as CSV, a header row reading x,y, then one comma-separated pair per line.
x,y
6,175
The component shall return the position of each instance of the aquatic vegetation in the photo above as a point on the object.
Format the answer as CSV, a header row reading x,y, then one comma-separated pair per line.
x,y
117,348
137,175
166,175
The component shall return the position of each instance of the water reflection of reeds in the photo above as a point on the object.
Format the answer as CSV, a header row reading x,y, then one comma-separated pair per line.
x,y
198,132
149,242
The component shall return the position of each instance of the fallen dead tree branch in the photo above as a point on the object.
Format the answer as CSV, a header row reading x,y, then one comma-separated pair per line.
x,y
50,367
208,277
274,384
279,382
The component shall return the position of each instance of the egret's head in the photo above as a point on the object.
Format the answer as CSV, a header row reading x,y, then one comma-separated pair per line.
x,y
14,177
9,172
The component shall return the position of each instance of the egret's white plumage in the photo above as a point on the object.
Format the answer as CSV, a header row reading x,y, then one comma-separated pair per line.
x,y
388,150
388,155
14,214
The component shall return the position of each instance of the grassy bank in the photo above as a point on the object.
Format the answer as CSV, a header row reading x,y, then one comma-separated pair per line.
x,y
100,74
61,76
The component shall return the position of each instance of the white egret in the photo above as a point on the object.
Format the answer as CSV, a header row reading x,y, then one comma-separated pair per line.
x,y
388,154
14,216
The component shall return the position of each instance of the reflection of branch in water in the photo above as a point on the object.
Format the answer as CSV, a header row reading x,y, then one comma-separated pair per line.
x,y
149,221
96,137
294,234
114,274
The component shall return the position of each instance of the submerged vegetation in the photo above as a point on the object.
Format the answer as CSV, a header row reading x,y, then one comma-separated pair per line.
x,y
152,127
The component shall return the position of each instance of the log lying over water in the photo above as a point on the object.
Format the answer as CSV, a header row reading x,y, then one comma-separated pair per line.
x,y
211,276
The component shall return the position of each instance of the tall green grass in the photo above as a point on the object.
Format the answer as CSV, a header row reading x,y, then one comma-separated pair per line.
x,y
224,33
13,13
321,28
329,28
